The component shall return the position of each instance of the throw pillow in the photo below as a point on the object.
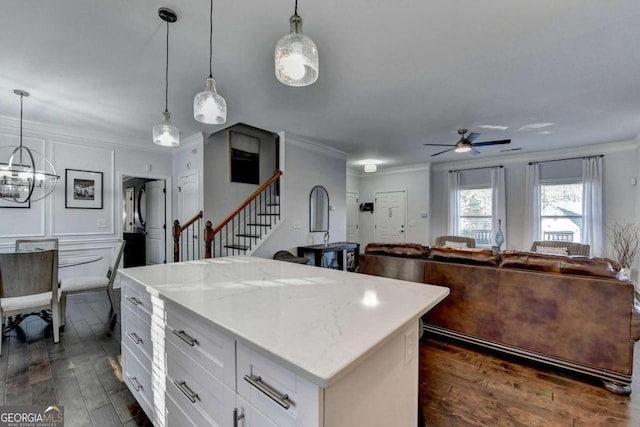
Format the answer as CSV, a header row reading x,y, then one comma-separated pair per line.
x,y
455,245
551,250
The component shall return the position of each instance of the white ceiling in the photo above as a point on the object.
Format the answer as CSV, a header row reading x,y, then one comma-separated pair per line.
x,y
394,74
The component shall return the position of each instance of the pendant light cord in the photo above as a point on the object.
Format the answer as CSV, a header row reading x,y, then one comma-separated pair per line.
x,y
295,12
211,40
166,76
21,99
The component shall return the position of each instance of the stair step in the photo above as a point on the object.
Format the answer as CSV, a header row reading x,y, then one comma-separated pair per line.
x,y
253,236
268,214
258,225
238,247
273,204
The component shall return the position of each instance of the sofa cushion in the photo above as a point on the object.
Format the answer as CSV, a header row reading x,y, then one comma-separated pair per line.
x,y
409,250
476,256
550,250
561,264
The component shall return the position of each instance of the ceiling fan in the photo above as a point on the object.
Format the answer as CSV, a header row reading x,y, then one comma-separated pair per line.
x,y
466,144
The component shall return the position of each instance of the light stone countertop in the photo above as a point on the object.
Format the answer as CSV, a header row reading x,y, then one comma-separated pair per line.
x,y
318,322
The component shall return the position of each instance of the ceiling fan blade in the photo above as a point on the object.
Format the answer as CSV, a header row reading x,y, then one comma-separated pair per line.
x,y
474,152
440,145
484,144
472,136
442,152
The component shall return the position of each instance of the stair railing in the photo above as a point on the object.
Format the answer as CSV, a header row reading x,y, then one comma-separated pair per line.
x,y
248,223
185,238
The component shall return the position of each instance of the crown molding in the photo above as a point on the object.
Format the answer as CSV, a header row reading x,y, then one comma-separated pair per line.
x,y
393,171
314,146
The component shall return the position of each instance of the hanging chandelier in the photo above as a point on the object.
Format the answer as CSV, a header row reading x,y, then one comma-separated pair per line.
x,y
25,174
296,55
208,106
164,133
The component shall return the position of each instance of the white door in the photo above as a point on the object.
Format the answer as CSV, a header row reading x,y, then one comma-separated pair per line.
x,y
155,224
353,215
390,210
188,204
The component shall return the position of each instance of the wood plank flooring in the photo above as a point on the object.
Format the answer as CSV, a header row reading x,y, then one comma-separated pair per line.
x,y
81,372
461,385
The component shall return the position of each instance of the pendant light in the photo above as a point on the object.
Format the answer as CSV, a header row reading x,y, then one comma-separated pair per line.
x,y
208,106
296,55
164,133
21,181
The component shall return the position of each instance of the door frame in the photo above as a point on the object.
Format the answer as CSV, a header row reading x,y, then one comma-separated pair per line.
x,y
357,197
375,218
168,206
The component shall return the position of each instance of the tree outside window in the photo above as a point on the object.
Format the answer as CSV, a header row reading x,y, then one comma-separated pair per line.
x,y
475,214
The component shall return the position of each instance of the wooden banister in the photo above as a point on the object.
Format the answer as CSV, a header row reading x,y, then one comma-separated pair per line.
x,y
177,231
253,195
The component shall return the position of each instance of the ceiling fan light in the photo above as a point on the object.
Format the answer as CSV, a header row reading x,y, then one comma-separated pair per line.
x,y
165,134
296,56
208,106
462,148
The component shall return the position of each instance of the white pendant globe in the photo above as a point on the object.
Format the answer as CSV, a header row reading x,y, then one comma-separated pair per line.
x,y
208,106
165,133
296,57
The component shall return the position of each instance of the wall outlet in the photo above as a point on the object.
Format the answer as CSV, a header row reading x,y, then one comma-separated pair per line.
x,y
102,223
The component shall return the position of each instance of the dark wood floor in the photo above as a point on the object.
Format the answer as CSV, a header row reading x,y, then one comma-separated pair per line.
x,y
459,385
462,386
81,372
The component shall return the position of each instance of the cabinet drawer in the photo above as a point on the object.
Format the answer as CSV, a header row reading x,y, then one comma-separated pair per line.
x,y
195,390
250,416
277,388
176,415
136,332
136,297
138,379
203,342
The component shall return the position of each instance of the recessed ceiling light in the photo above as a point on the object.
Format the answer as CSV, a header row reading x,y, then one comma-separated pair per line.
x,y
497,127
534,126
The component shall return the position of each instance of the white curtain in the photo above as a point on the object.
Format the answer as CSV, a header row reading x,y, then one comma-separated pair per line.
x,y
498,204
453,218
532,204
592,204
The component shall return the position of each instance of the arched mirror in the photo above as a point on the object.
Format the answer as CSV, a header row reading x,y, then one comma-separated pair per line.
x,y
142,206
319,209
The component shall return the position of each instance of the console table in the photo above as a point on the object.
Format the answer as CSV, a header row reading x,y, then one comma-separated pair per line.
x,y
340,248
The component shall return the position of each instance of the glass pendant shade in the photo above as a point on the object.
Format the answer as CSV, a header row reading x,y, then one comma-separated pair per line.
x,y
165,133
296,56
208,106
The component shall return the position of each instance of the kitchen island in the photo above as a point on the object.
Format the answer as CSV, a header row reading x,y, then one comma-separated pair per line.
x,y
255,342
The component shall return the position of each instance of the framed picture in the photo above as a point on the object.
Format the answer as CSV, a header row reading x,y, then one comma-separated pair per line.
x,y
7,190
83,189
244,158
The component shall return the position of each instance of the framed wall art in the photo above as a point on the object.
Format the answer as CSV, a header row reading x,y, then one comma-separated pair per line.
x,y
244,158
83,189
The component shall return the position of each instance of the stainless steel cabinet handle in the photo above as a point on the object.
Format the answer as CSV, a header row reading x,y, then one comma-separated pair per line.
x,y
280,399
182,386
135,383
134,301
236,417
135,338
184,337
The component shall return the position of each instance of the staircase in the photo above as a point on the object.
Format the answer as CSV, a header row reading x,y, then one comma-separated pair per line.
x,y
248,225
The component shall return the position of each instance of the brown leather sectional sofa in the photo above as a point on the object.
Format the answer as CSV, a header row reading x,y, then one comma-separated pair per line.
x,y
569,312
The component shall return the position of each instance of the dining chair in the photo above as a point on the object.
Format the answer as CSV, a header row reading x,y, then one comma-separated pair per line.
x,y
29,285
29,245
572,248
75,285
441,241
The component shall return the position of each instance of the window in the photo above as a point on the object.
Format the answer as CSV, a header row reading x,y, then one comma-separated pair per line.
x,y
561,211
475,214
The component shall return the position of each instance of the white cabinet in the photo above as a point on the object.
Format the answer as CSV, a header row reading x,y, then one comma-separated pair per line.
x,y
185,370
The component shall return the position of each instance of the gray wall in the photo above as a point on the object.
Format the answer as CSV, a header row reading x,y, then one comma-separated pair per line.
x,y
305,166
619,194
